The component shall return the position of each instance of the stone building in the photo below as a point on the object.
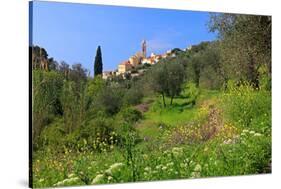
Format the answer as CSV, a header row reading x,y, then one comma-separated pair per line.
x,y
124,67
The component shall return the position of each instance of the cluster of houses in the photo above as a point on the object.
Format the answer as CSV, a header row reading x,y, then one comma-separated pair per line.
x,y
139,58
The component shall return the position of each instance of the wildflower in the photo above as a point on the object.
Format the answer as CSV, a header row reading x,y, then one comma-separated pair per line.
x,y
257,134
145,156
158,166
182,165
245,131
177,151
164,168
97,179
108,172
252,132
170,164
114,168
60,183
154,172
195,175
197,168
229,141
109,178
71,175
191,162
147,169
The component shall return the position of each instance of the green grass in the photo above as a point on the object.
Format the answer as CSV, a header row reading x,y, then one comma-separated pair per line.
x,y
176,114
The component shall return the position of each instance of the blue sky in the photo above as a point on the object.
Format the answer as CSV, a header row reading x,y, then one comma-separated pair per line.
x,y
72,32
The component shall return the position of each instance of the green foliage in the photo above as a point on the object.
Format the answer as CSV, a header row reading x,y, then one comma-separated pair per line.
x,y
131,115
98,62
94,87
46,87
191,92
248,107
166,78
248,31
203,65
110,99
134,95
73,104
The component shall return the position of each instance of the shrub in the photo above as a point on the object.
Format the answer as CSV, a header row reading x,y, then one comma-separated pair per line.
x,y
53,135
248,107
133,96
131,115
110,99
98,134
191,92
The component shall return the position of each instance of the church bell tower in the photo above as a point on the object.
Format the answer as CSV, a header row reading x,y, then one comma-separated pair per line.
x,y
143,47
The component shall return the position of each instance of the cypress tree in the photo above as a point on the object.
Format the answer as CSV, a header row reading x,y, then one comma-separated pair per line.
x,y
98,62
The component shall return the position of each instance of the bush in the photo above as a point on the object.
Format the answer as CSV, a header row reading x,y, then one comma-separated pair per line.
x,y
191,92
133,96
131,115
53,135
98,134
110,99
248,107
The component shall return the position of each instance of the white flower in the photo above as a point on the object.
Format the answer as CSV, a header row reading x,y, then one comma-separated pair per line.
x,y
60,183
97,179
197,168
113,168
170,164
67,181
252,132
245,131
177,151
257,134
164,168
109,178
147,169
229,141
195,175
71,175
116,166
158,166
196,172
108,172
154,172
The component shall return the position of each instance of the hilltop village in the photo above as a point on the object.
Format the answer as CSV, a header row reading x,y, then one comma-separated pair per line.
x,y
137,61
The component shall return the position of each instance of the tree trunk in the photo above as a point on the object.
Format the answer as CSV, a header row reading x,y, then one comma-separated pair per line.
x,y
163,97
171,102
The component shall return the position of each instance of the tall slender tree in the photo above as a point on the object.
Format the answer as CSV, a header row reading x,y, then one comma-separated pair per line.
x,y
98,62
